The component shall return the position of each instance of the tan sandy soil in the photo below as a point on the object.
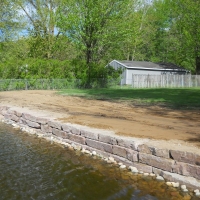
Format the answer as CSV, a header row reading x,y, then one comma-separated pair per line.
x,y
154,122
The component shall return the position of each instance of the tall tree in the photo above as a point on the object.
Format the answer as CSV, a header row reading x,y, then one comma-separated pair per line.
x,y
8,19
94,26
40,16
137,22
10,49
187,21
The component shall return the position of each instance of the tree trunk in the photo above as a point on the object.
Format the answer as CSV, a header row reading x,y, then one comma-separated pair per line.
x,y
198,65
88,63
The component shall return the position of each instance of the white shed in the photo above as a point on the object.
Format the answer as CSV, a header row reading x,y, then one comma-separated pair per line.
x,y
143,67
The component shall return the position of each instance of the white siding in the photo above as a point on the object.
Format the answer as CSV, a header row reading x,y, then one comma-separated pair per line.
x,y
130,72
116,65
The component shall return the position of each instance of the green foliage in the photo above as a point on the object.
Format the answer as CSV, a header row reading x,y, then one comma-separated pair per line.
x,y
94,27
75,39
9,69
40,68
8,20
187,22
36,68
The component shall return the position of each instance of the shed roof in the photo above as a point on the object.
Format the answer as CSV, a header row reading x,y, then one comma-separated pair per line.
x,y
150,65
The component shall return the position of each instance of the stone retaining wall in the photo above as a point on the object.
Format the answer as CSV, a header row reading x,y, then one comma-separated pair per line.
x,y
173,165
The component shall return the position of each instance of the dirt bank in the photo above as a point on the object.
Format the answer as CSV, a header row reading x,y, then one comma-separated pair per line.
x,y
180,126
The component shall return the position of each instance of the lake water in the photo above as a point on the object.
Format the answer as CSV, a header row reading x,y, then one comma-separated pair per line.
x,y
33,168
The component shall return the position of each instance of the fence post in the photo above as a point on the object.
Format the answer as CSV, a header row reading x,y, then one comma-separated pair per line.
x,y
190,84
182,80
132,80
167,81
196,80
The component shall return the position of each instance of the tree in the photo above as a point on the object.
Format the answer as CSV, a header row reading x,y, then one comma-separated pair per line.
x,y
93,26
40,16
137,21
8,20
187,22
177,37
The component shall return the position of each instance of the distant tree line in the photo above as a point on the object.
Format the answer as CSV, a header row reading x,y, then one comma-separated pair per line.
x,y
77,38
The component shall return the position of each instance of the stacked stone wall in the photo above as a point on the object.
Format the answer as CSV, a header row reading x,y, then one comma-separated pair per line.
x,y
173,165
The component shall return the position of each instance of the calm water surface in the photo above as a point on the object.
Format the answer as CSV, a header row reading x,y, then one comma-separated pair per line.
x,y
33,168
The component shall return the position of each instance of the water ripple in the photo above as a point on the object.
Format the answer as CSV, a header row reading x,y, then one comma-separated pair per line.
x,y
32,168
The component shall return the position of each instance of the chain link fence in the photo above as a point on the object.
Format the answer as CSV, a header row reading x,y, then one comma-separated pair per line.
x,y
138,81
53,84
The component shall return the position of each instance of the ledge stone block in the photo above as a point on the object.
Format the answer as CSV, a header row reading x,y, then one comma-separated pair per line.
x,y
123,160
46,128
107,139
29,117
33,124
77,138
54,124
66,128
18,114
89,134
132,155
60,133
187,169
143,148
127,143
186,157
142,167
15,118
22,121
99,145
14,112
7,116
75,130
41,120
164,153
11,112
158,162
120,151
189,181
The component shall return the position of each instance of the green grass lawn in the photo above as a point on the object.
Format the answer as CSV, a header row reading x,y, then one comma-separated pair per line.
x,y
171,97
